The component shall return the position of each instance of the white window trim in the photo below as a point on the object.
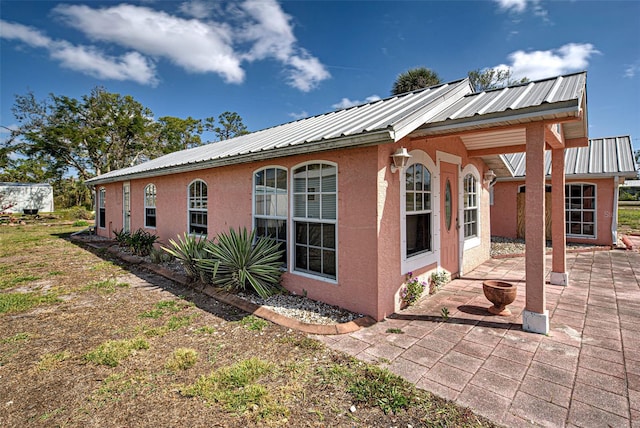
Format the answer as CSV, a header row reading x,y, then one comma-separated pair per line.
x,y
200,210
155,195
102,204
469,243
292,223
595,211
254,216
409,264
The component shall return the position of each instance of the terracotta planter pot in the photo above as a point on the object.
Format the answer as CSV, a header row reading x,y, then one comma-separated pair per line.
x,y
501,294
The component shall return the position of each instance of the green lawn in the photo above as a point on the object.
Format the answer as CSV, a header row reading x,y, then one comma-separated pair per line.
x,y
629,219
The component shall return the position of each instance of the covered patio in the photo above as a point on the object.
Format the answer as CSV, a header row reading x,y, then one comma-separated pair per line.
x,y
585,372
531,118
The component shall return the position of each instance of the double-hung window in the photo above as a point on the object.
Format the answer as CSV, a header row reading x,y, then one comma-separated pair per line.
x,y
150,206
197,207
315,218
418,213
270,209
102,194
470,206
580,209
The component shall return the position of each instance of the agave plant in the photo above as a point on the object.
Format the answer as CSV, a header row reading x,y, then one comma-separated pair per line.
x,y
238,260
187,249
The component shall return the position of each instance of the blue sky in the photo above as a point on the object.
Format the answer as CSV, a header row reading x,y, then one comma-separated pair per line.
x,y
274,62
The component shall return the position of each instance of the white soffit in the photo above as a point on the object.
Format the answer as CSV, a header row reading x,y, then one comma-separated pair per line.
x,y
501,138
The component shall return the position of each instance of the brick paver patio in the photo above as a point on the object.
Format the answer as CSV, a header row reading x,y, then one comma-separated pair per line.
x,y
584,373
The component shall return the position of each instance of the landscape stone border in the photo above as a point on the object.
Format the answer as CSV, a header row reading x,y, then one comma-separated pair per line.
x,y
233,300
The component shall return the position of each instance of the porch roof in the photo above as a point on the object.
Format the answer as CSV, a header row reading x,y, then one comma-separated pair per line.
x,y
603,157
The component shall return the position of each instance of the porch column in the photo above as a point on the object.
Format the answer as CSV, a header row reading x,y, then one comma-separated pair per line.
x,y
535,317
559,275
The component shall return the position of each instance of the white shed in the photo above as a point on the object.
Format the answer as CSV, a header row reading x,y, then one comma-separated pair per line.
x,y
26,196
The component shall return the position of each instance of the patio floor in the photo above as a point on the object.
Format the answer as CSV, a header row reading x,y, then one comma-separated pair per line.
x,y
585,372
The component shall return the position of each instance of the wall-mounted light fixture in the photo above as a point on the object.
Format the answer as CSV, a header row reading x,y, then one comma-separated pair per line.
x,y
489,176
400,159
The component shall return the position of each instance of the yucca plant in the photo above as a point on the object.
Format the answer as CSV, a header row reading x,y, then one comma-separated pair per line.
x,y
238,260
188,249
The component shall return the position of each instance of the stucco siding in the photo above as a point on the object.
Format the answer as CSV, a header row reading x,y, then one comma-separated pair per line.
x,y
230,198
504,212
369,266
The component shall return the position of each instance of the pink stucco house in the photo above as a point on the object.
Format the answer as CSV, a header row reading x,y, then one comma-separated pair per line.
x,y
593,176
352,221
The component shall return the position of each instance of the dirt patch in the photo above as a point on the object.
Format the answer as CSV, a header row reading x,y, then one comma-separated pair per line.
x,y
48,379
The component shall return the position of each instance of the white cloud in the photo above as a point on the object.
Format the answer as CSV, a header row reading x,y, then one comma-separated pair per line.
x,y
300,115
250,31
196,9
632,69
346,102
28,35
520,6
541,64
194,45
85,59
130,66
517,6
271,34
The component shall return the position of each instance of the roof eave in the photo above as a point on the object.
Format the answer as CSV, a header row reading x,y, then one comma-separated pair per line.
x,y
544,112
581,176
360,140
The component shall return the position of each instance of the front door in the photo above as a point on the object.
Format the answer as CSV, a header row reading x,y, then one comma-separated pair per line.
x,y
449,223
126,207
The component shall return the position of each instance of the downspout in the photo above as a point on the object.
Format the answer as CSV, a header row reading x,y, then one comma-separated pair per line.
x,y
614,220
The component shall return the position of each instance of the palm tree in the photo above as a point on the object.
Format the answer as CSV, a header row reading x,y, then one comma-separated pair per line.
x,y
416,78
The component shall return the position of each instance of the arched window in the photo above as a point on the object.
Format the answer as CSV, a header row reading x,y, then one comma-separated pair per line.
x,y
150,206
470,206
102,196
197,207
270,205
315,216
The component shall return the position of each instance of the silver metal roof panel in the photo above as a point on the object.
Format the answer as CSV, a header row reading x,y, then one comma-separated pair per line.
x,y
511,99
604,157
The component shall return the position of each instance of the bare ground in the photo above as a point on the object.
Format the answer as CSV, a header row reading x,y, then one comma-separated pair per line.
x,y
46,378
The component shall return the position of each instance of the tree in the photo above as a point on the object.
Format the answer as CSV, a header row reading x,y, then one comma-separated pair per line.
x,y
230,126
492,78
96,134
415,78
64,141
178,134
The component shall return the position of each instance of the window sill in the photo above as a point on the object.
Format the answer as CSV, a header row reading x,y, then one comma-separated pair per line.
x,y
471,243
581,236
328,280
418,261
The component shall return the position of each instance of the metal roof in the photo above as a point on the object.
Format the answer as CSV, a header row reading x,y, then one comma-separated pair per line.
x,y
382,121
631,183
603,156
552,98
